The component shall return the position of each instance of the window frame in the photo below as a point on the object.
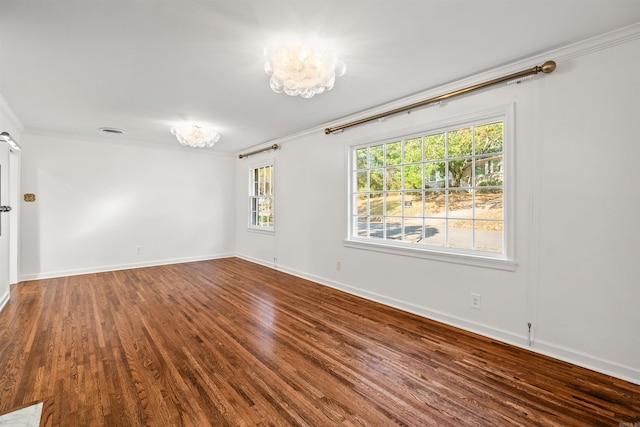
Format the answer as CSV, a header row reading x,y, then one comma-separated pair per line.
x,y
268,229
502,261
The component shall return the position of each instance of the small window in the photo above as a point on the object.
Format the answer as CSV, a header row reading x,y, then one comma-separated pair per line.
x,y
261,198
437,191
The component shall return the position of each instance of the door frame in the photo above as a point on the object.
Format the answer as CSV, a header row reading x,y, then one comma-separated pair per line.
x,y
14,217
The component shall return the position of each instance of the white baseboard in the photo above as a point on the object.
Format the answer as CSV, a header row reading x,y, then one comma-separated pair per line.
x,y
261,262
584,360
5,299
105,268
555,351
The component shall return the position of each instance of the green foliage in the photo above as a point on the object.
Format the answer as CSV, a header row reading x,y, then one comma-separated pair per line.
x,y
394,179
489,138
376,180
457,146
394,153
434,146
413,177
413,150
434,174
361,158
376,156
362,181
460,143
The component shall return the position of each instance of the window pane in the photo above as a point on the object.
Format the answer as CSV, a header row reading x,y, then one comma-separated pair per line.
x,y
376,179
413,150
394,153
413,203
434,147
489,138
361,178
394,178
265,218
434,175
460,143
489,236
413,229
376,206
376,156
413,177
361,203
489,204
394,228
460,204
361,158
254,211
460,172
460,234
435,203
376,224
435,232
489,171
394,203
361,226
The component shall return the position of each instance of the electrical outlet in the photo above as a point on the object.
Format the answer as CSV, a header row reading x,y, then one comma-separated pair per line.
x,y
476,301
338,265
139,249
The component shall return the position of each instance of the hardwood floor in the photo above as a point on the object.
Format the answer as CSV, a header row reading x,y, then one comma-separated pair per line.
x,y
231,343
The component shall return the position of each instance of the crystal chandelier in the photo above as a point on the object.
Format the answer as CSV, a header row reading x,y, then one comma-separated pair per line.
x,y
302,69
195,136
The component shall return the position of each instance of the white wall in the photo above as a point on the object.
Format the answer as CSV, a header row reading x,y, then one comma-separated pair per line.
x,y
97,201
576,201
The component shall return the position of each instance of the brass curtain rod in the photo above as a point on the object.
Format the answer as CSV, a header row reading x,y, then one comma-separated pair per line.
x,y
546,68
273,147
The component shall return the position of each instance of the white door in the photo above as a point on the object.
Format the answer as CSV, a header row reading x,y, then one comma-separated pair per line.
x,y
4,223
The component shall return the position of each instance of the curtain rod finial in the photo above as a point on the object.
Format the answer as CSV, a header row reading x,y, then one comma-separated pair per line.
x,y
548,67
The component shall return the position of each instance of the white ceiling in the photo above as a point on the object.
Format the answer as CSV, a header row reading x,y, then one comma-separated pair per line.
x,y
73,66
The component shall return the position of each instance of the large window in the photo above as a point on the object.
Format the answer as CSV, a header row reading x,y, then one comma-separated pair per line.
x,y
437,191
261,198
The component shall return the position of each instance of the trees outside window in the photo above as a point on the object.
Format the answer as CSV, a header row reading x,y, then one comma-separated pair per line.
x,y
441,190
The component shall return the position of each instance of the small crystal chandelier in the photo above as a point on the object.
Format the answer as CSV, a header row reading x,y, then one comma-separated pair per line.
x,y
302,69
195,136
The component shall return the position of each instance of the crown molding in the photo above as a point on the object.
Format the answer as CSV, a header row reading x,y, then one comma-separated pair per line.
x,y
119,140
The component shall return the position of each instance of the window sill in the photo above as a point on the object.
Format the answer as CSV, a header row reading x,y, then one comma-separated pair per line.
x,y
268,231
456,258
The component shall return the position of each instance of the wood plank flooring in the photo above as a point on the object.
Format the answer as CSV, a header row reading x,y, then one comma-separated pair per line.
x,y
230,343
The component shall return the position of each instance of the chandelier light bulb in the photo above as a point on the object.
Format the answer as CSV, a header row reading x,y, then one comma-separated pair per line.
x,y
302,69
195,136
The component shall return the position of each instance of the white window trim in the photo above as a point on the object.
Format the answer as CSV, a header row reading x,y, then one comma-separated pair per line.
x,y
505,261
254,228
